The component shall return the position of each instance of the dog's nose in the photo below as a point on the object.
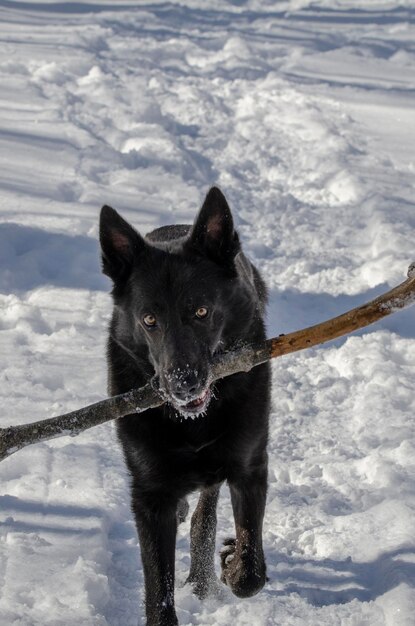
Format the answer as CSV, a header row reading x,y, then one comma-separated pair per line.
x,y
183,384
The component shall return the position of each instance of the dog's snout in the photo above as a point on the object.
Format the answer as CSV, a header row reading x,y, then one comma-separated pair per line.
x,y
183,383
183,393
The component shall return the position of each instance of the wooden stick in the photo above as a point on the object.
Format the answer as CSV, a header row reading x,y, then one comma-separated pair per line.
x,y
14,438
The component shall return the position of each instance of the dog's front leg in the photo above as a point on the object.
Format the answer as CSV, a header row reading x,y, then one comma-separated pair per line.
x,y
202,544
157,525
242,559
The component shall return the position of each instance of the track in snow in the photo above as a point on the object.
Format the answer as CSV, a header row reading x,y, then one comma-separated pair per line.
x,y
304,116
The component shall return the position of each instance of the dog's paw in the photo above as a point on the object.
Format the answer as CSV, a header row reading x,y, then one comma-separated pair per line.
x,y
227,553
242,571
205,587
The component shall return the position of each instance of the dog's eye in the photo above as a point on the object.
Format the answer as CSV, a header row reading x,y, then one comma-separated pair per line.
x,y
202,312
149,320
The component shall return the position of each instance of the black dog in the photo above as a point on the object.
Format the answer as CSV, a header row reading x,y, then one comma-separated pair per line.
x,y
181,295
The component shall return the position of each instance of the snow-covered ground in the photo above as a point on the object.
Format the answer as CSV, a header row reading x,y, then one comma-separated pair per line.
x,y
303,112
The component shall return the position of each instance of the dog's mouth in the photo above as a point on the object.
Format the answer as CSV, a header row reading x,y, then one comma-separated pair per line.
x,y
195,407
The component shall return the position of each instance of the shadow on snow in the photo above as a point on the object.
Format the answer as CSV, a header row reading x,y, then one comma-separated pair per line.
x,y
312,13
292,310
31,257
328,581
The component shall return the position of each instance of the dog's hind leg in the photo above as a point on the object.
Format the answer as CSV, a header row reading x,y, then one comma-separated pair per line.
x,y
242,559
182,510
202,544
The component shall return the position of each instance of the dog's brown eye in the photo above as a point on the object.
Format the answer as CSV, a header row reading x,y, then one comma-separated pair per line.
x,y
201,312
149,320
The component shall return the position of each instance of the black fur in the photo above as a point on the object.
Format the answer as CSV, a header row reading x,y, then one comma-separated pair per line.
x,y
173,277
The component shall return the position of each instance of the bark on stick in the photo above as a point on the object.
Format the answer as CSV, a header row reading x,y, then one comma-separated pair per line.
x,y
13,438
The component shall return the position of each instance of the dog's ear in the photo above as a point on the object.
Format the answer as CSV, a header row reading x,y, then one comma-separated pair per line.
x,y
213,233
120,244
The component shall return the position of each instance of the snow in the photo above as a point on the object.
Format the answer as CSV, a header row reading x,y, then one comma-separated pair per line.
x,y
303,113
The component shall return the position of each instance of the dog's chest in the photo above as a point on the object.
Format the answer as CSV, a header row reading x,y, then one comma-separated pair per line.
x,y
200,462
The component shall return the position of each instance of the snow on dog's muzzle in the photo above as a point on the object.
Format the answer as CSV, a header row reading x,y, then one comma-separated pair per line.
x,y
185,391
195,407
